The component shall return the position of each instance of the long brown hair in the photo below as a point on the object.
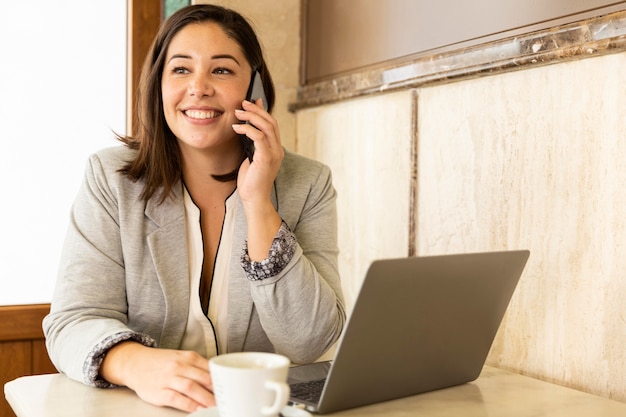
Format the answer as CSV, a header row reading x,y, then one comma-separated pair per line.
x,y
158,162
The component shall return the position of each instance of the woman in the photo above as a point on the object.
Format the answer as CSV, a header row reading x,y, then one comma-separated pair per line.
x,y
179,248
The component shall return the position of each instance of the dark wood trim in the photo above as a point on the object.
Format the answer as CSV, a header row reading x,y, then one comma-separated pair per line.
x,y
304,32
144,18
15,358
22,345
22,322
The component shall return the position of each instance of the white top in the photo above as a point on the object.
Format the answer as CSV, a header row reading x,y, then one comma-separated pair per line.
x,y
207,336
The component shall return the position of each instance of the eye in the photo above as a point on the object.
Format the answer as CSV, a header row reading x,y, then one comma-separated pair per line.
x,y
180,70
222,71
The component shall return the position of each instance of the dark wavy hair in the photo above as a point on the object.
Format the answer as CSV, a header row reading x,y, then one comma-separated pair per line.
x,y
157,162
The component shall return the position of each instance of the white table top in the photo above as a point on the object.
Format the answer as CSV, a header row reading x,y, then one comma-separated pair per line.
x,y
495,393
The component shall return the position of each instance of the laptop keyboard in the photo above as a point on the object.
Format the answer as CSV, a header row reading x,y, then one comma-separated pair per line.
x,y
308,391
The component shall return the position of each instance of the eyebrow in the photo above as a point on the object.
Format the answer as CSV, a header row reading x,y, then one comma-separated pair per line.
x,y
220,56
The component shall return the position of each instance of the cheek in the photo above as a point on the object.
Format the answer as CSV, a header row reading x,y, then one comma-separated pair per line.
x,y
236,96
168,97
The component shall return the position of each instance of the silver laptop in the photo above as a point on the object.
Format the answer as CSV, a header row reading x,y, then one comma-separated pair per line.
x,y
419,324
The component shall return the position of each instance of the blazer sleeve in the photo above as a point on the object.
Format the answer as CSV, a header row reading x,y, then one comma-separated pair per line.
x,y
89,302
302,309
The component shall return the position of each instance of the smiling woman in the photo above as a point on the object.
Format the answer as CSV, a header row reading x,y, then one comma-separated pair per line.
x,y
179,262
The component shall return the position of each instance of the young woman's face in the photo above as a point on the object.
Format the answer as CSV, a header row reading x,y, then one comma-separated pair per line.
x,y
205,78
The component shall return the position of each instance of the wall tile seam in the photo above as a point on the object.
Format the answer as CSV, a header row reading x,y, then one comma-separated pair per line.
x,y
413,192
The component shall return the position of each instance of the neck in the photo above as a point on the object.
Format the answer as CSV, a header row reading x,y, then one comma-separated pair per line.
x,y
202,187
201,167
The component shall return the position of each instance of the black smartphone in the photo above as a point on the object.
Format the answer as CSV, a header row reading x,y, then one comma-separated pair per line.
x,y
255,91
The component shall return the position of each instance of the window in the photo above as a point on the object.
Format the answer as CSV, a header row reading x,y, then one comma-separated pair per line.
x,y
62,94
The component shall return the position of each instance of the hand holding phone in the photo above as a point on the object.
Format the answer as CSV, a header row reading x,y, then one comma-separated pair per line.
x,y
255,91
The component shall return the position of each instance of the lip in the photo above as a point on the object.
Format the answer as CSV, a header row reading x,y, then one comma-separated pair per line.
x,y
201,114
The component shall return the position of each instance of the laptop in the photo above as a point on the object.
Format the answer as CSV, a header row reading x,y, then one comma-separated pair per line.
x,y
419,324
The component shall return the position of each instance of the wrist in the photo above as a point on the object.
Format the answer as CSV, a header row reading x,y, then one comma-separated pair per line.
x,y
117,364
263,224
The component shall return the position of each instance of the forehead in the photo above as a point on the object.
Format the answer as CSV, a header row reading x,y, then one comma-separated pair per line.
x,y
204,38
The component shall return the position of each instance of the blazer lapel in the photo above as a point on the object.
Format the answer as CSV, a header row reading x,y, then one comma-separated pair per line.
x,y
168,247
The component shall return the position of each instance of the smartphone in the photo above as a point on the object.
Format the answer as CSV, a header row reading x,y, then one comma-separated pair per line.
x,y
255,91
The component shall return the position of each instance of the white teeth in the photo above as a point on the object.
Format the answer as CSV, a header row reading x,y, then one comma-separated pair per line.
x,y
198,114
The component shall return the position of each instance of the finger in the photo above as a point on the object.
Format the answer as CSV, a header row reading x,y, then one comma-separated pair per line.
x,y
258,103
175,399
247,129
197,393
180,393
270,126
261,133
197,370
253,108
257,109
262,122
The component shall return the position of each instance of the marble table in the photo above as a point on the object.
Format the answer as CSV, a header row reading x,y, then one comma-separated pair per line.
x,y
496,393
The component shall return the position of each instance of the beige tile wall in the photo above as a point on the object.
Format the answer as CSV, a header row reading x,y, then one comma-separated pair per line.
x,y
536,159
531,159
367,144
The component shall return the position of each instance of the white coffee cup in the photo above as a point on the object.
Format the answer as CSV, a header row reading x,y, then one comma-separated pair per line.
x,y
250,384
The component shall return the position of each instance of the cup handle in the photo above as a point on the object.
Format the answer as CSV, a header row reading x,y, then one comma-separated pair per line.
x,y
282,396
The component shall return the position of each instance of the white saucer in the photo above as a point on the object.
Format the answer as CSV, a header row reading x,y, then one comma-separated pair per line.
x,y
287,411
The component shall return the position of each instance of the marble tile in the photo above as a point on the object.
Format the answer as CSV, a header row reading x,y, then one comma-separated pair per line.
x,y
592,37
368,144
535,159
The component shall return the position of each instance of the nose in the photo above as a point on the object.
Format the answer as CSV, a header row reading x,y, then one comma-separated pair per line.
x,y
200,85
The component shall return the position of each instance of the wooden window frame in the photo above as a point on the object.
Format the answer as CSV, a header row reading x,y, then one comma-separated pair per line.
x,y
144,18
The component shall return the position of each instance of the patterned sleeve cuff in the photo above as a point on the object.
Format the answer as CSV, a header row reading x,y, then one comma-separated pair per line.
x,y
91,367
282,250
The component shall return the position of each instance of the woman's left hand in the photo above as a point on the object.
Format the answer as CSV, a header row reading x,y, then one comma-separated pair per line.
x,y
255,179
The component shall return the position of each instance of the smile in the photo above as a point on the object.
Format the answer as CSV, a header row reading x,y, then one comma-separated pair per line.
x,y
199,114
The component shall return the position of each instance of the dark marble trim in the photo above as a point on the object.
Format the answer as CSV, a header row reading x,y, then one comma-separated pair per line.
x,y
592,37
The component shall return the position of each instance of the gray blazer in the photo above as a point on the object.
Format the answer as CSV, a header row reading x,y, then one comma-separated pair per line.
x,y
124,268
